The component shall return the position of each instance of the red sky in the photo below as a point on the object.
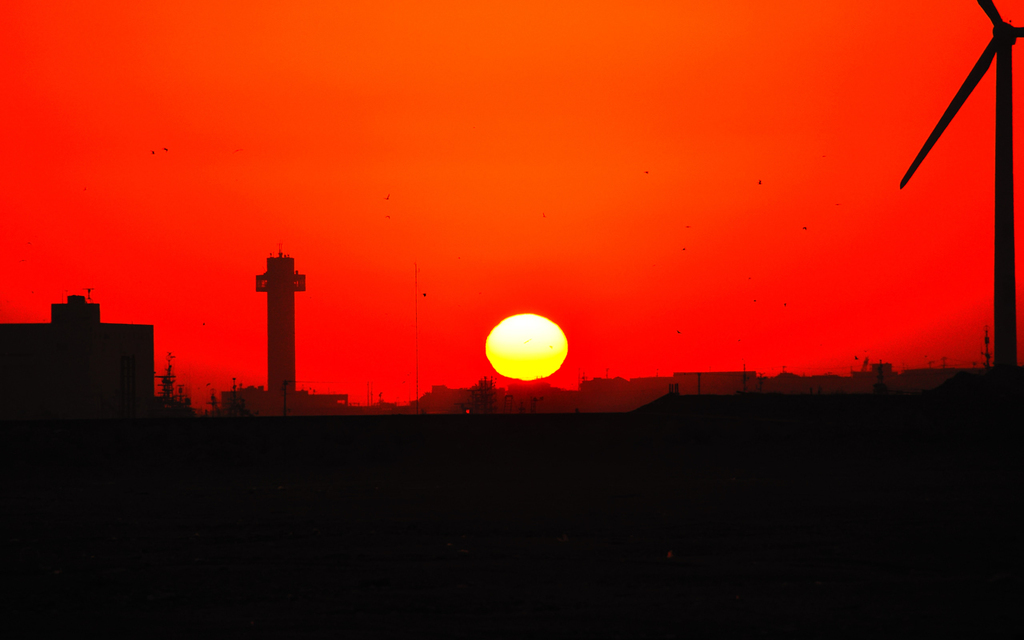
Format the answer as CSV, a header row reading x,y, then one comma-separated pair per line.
x,y
291,122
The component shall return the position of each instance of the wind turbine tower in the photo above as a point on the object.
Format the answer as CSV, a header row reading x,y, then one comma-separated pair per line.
x,y
1004,35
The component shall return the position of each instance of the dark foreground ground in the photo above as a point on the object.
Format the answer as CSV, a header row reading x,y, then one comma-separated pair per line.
x,y
801,517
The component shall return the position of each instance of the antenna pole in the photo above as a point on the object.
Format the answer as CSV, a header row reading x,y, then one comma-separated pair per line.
x,y
284,397
1005,298
416,311
988,356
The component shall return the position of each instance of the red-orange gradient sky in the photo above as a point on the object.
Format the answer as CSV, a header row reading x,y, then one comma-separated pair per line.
x,y
515,142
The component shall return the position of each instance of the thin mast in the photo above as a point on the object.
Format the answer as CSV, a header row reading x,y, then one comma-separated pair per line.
x,y
416,308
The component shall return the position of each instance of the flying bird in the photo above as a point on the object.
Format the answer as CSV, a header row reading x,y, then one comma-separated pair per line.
x,y
758,182
165,148
387,197
424,295
153,152
805,228
388,217
646,171
678,331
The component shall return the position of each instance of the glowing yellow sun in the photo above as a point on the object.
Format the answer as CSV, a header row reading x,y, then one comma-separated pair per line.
x,y
526,347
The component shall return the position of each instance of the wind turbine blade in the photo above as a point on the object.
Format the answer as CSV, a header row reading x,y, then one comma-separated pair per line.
x,y
984,62
988,7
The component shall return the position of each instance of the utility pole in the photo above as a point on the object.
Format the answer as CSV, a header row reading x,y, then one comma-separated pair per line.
x,y
416,311
284,396
986,353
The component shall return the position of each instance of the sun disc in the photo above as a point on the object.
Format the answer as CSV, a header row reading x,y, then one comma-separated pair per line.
x,y
526,347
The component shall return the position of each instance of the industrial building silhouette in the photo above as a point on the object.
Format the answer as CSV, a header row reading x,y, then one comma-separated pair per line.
x,y
76,366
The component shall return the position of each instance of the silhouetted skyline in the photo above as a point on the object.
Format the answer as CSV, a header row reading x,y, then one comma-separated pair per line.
x,y
78,367
611,167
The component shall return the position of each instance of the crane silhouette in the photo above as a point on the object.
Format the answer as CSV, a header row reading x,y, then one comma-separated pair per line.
x,y
1004,35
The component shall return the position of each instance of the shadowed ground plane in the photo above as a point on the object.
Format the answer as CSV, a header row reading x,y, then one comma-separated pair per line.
x,y
782,518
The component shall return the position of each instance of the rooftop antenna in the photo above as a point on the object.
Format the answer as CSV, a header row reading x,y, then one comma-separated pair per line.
x,y
88,293
1004,35
280,249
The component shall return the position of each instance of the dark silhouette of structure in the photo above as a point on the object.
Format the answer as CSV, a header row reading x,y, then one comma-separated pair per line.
x,y
243,401
1004,35
986,353
281,397
483,396
280,283
879,387
620,394
234,403
172,401
76,366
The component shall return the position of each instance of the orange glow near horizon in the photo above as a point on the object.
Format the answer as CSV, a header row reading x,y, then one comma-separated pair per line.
x,y
641,173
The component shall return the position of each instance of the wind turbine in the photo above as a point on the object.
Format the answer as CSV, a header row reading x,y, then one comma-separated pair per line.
x,y
1004,35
